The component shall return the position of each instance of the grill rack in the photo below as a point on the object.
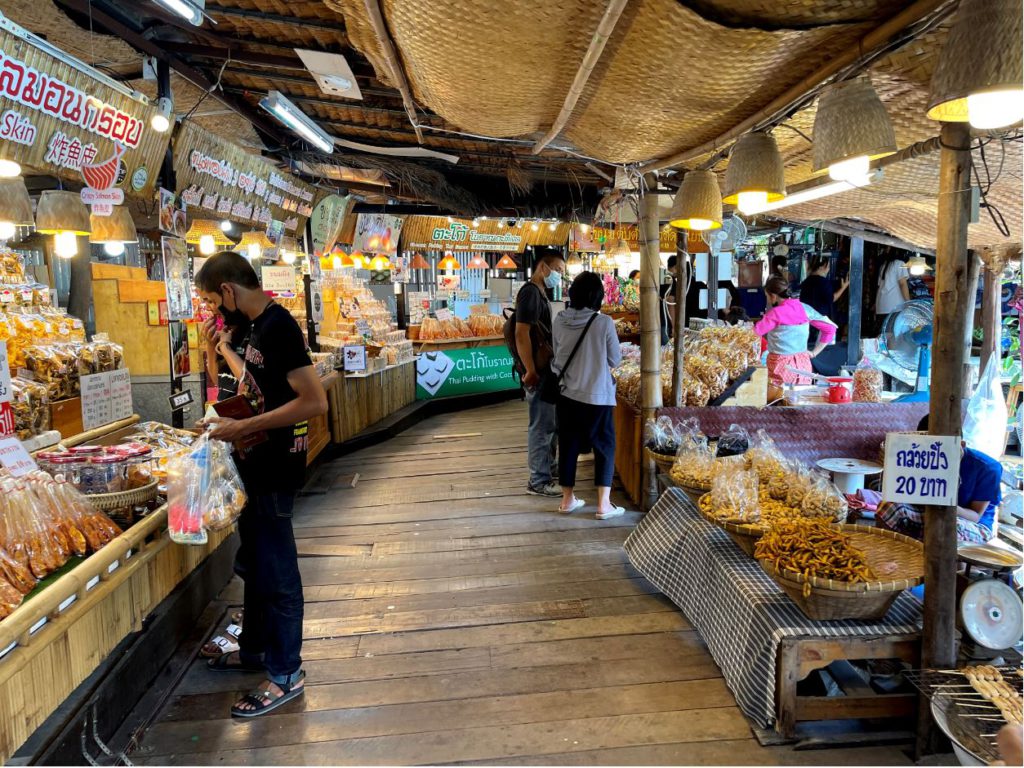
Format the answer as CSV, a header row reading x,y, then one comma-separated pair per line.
x,y
973,720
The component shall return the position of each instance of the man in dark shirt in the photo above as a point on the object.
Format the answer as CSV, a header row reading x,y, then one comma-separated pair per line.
x,y
534,347
281,385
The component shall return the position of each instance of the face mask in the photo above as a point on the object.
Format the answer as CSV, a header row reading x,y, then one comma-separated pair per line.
x,y
553,280
233,318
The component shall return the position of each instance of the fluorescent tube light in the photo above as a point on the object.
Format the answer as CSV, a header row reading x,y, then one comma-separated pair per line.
x,y
293,117
818,192
190,10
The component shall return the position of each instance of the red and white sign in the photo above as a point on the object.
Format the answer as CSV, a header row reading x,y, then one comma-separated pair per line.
x,y
92,196
15,458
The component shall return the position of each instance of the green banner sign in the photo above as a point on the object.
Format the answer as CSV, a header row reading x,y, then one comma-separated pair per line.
x,y
464,372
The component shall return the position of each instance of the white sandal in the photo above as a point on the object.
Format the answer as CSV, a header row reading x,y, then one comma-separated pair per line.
x,y
576,504
610,513
220,645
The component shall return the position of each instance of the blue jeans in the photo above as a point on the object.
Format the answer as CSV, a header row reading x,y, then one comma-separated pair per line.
x,y
268,563
580,425
542,439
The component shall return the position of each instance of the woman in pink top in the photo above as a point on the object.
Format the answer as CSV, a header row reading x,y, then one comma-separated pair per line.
x,y
786,326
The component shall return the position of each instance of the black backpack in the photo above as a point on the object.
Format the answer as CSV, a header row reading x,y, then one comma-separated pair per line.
x,y
542,351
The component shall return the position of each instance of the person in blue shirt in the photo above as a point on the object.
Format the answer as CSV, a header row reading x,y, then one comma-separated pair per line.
x,y
978,498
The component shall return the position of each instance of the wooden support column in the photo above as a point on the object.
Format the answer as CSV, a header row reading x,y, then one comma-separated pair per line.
x,y
855,299
973,278
650,330
951,307
991,305
679,318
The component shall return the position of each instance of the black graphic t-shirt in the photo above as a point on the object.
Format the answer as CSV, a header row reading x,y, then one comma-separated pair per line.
x,y
276,348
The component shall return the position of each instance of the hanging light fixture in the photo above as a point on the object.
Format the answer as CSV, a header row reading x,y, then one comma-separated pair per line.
x,y
698,203
553,226
535,226
62,215
161,119
618,252
980,76
253,244
506,262
449,263
755,174
418,262
207,235
359,260
9,169
298,121
380,263
226,226
113,231
574,265
15,207
917,265
851,128
478,262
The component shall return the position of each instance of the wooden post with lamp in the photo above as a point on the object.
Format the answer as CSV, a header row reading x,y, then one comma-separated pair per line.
x,y
679,320
650,328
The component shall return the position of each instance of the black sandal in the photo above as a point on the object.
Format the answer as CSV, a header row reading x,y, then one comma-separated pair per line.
x,y
221,664
264,701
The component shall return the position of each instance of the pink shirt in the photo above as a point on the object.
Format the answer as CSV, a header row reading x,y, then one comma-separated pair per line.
x,y
787,327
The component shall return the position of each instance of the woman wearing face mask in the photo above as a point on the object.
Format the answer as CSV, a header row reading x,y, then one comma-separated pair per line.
x,y
787,325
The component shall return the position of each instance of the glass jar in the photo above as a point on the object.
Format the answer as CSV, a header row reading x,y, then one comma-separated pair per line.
x,y
61,466
103,474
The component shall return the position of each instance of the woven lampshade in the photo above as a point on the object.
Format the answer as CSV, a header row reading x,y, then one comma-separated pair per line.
x,y
506,262
250,238
982,54
698,199
618,251
478,262
60,211
418,262
118,227
851,121
15,204
755,165
202,227
381,263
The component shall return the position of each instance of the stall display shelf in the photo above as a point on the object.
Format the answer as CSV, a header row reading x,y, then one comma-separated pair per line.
x,y
357,401
434,345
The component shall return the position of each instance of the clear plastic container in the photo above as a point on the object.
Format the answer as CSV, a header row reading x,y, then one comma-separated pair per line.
x,y
104,474
61,466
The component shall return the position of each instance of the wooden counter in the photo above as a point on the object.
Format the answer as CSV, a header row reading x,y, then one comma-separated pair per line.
x,y
359,400
443,345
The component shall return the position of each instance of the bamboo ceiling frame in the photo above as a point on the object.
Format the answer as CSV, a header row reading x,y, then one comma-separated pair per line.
x,y
391,57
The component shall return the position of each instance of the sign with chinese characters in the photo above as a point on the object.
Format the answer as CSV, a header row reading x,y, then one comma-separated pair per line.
x,y
921,469
328,216
377,233
58,119
439,233
224,181
15,458
354,358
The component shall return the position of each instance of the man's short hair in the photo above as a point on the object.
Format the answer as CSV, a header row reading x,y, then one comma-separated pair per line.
x,y
547,256
672,261
226,267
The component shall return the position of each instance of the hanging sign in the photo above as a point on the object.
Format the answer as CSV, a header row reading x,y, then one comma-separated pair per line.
x,y
921,469
230,183
59,119
438,233
377,234
278,279
328,216
597,239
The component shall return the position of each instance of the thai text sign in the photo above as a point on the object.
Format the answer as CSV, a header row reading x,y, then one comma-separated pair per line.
x,y
437,233
228,182
56,118
921,469
464,372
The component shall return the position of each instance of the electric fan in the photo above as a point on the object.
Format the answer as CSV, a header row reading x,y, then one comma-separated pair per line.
x,y
906,340
732,232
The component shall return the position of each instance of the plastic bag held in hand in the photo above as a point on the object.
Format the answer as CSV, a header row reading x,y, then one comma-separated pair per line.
x,y
204,491
985,424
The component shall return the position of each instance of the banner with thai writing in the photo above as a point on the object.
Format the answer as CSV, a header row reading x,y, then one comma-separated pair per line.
x,y
224,181
328,216
597,238
57,119
437,233
377,234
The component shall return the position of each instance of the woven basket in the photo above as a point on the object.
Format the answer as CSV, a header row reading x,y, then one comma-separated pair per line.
x,y
900,557
744,534
663,460
134,497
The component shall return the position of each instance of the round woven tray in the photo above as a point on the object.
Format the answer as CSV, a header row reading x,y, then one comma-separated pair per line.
x,y
663,460
898,557
134,497
744,534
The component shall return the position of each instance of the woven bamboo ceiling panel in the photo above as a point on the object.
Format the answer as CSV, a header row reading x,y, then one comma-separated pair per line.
x,y
323,32
670,78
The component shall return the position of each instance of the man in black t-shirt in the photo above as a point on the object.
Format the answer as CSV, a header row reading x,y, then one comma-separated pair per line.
x,y
534,348
277,378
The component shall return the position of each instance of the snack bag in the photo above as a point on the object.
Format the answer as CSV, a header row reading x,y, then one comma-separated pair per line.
x,y
187,477
735,441
867,383
226,495
823,500
695,463
734,496
764,457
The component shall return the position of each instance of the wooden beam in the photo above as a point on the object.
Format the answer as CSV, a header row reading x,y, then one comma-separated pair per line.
x,y
849,55
995,261
679,319
306,22
869,235
973,278
945,417
380,29
650,329
240,55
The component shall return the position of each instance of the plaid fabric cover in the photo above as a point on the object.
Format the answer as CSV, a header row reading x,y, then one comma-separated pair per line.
x,y
738,609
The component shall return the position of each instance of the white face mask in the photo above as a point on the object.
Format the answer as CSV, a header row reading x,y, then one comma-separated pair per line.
x,y
553,279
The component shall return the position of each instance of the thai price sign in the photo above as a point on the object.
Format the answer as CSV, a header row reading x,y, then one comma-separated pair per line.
x,y
14,458
57,118
921,468
464,372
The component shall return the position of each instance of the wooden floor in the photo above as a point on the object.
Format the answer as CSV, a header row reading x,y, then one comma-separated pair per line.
x,y
451,618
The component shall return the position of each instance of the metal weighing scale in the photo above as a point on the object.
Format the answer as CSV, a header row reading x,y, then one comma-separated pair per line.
x,y
990,611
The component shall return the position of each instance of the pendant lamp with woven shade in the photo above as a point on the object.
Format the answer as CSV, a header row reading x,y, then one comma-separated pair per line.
x,y
851,128
62,215
980,74
253,244
618,251
418,262
574,264
380,263
118,227
506,262
15,207
698,203
478,262
207,234
755,175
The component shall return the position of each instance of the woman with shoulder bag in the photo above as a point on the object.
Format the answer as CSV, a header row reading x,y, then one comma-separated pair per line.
x,y
586,349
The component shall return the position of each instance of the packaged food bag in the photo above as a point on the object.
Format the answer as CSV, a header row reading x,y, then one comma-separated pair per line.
x,y
734,497
735,441
985,423
204,491
867,383
823,500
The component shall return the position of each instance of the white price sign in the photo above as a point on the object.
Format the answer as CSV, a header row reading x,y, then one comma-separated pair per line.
x,y
120,394
921,469
278,279
96,405
354,358
444,314
316,295
15,458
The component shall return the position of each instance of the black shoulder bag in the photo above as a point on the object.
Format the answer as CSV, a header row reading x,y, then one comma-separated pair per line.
x,y
551,386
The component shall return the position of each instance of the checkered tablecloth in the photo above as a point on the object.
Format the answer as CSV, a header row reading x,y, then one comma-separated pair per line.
x,y
739,611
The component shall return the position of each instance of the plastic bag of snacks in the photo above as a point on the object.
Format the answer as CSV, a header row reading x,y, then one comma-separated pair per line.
x,y
662,436
735,441
734,496
32,533
800,480
203,491
764,457
824,500
867,383
694,466
16,574
225,495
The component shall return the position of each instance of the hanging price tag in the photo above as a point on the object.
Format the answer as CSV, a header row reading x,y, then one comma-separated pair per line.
x,y
96,405
15,458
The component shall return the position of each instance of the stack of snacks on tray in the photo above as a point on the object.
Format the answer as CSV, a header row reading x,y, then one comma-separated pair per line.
x,y
31,403
486,325
166,443
992,686
813,548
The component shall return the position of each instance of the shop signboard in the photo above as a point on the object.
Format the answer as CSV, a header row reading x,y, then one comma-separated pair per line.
x,y
464,372
278,279
438,233
377,234
328,216
218,179
61,119
6,409
921,469
598,238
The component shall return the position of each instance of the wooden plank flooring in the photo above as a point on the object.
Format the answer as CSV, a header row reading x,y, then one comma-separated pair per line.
x,y
452,618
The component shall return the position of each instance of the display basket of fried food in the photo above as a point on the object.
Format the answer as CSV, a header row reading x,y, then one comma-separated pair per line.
x,y
130,498
835,572
664,461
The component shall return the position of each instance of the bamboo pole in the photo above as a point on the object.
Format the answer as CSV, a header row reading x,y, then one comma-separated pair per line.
x,y
679,319
387,47
650,330
951,306
597,43
991,303
872,41
971,290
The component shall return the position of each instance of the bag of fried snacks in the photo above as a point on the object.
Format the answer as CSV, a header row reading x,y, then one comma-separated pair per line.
x,y
661,435
764,457
799,482
735,441
225,496
695,463
824,500
734,497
